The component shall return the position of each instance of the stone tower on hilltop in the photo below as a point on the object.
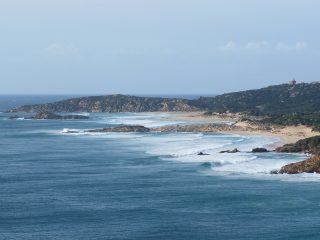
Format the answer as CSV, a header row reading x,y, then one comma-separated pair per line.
x,y
292,82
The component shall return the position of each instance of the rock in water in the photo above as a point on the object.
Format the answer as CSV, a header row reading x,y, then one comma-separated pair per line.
x,y
52,116
311,165
74,117
47,115
230,151
122,129
202,154
259,150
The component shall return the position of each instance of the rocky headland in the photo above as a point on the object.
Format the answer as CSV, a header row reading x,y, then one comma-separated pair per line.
x,y
309,145
311,165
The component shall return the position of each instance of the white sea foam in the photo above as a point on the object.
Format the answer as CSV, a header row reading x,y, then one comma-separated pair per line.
x,y
184,147
143,119
83,132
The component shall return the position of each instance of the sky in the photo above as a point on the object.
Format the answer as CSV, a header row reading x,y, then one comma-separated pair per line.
x,y
156,46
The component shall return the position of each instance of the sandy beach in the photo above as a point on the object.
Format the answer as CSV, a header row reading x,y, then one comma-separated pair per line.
x,y
287,134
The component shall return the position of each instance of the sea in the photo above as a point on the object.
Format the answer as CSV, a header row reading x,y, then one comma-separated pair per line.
x,y
60,185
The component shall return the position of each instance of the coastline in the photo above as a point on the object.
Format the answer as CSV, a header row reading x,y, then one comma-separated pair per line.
x,y
286,134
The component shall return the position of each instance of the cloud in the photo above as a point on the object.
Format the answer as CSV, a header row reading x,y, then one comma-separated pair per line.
x,y
58,49
257,45
230,46
265,47
283,47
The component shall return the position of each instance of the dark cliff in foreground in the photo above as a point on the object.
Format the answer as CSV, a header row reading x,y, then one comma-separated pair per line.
x,y
271,101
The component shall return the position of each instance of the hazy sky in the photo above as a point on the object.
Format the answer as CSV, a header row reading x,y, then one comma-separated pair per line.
x,y
156,46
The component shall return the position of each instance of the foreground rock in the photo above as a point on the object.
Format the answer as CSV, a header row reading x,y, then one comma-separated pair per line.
x,y
121,129
311,165
259,150
309,145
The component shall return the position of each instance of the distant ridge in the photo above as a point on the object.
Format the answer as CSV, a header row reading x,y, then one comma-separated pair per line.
x,y
279,99
112,103
272,100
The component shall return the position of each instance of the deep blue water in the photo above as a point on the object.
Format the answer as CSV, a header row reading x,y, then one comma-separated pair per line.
x,y
60,186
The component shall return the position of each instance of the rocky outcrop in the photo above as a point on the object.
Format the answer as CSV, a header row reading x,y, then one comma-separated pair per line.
x,y
309,145
259,150
311,165
198,128
121,129
202,154
230,151
47,115
52,116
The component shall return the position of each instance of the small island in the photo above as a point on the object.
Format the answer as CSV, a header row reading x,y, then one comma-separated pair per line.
x,y
45,115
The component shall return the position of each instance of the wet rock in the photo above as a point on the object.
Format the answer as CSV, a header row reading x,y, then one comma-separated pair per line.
x,y
230,151
121,129
274,171
201,154
259,150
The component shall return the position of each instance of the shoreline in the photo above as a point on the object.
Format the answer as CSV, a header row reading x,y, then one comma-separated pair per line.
x,y
286,134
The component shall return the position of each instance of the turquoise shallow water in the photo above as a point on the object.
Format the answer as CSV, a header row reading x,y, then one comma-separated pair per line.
x,y
146,186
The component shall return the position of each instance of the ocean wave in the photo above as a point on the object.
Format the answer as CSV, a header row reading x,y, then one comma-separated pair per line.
x,y
83,132
148,120
184,148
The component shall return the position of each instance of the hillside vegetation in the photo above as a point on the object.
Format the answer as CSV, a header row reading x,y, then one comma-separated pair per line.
x,y
272,101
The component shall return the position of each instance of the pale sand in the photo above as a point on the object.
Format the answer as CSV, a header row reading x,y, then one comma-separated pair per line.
x,y
198,116
287,135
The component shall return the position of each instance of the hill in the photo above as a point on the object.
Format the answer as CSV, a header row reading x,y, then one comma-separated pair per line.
x,y
272,100
269,101
111,103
